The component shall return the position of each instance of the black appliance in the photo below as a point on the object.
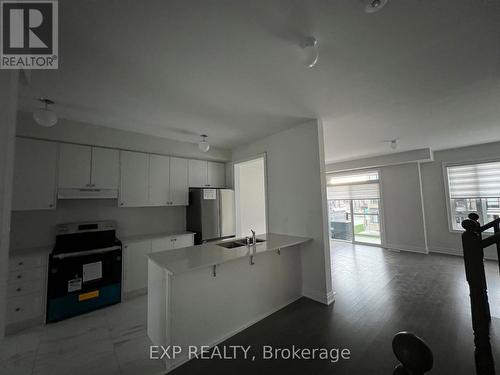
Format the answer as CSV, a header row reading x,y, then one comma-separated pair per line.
x,y
85,269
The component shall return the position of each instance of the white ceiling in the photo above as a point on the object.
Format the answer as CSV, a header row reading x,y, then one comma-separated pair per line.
x,y
424,71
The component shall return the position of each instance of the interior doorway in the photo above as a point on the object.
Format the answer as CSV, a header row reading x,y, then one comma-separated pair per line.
x,y
354,207
250,196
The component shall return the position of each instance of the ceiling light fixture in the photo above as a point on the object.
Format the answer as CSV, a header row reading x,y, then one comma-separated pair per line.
x,y
372,6
44,116
203,145
311,51
393,143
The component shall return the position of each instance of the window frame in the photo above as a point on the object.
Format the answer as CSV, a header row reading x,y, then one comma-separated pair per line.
x,y
445,166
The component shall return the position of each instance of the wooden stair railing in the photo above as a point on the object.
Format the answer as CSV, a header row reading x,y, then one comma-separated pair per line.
x,y
473,246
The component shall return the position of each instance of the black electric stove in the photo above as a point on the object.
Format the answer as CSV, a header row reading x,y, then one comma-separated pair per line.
x,y
85,269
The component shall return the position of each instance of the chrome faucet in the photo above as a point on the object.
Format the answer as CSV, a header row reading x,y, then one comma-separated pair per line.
x,y
254,240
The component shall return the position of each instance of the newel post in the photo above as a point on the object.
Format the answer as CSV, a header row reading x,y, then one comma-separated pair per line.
x,y
480,309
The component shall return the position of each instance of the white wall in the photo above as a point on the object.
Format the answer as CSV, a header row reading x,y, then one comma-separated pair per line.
x,y
297,198
79,132
402,208
249,185
8,105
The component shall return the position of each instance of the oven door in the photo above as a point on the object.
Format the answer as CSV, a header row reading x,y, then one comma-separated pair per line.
x,y
83,282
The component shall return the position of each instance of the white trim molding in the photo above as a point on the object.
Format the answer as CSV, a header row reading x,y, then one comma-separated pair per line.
x,y
321,297
409,248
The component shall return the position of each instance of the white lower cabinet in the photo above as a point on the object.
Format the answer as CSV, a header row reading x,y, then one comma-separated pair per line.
x,y
26,290
136,265
135,273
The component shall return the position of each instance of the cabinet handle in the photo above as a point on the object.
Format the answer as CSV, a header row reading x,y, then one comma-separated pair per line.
x,y
18,309
121,203
51,205
19,289
19,276
20,263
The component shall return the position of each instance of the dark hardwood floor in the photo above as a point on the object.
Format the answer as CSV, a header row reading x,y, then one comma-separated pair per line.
x,y
379,293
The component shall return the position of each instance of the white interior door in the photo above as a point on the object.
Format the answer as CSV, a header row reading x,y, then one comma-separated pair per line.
x,y
250,197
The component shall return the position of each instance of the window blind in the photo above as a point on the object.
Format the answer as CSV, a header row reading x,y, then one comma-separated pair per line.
x,y
354,191
474,180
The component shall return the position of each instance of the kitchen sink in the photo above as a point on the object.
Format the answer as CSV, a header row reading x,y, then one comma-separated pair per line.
x,y
237,243
231,245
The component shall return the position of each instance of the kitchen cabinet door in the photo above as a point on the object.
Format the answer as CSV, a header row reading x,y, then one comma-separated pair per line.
x,y
197,173
161,244
216,174
134,179
179,190
135,273
74,166
35,165
159,180
184,240
105,168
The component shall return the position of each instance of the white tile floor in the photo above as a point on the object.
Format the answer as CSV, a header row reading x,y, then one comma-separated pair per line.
x,y
108,341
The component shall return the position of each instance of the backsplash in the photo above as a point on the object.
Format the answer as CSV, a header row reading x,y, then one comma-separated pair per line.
x,y
37,228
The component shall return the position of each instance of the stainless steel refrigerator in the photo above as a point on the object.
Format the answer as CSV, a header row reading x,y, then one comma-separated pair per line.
x,y
210,214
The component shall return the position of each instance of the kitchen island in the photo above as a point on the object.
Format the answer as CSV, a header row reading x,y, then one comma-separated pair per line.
x,y
202,295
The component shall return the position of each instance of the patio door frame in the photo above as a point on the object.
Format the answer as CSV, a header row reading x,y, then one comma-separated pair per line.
x,y
381,216
381,225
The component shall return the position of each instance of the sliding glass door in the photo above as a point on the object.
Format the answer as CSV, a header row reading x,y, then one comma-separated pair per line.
x,y
367,221
354,207
340,220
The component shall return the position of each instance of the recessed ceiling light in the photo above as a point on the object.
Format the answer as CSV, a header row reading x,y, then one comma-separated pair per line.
x,y
372,6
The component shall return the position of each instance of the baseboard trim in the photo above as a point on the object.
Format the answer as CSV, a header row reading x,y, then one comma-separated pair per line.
x,y
453,252
409,248
321,297
444,250
182,360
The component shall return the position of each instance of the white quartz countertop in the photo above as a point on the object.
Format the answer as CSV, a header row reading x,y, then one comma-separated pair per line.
x,y
147,237
190,258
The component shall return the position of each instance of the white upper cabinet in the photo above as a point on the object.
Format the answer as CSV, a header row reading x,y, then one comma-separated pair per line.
x,y
159,180
34,186
216,174
179,190
204,173
74,166
105,168
197,173
83,167
134,179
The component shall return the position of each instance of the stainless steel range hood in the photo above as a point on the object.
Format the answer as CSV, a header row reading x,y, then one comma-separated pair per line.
x,y
87,193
